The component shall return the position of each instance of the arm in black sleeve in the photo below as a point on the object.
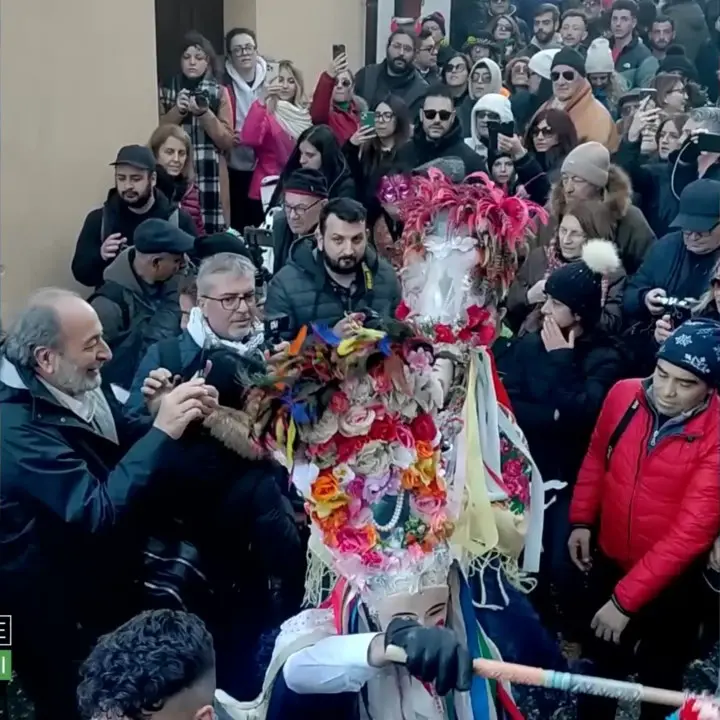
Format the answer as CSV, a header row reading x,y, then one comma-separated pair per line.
x,y
533,178
186,223
87,264
61,482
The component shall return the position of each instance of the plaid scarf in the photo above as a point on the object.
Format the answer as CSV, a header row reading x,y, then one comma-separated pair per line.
x,y
206,156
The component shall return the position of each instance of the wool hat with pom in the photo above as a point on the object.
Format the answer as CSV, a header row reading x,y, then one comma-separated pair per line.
x,y
675,61
599,57
579,284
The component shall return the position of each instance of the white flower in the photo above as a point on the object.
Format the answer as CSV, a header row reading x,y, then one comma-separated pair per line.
x,y
303,476
683,340
343,473
321,431
373,459
356,421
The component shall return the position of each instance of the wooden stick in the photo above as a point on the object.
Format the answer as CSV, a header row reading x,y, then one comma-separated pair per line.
x,y
568,682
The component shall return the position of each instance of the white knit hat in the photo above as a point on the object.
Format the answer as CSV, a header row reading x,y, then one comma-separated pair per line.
x,y
494,102
599,57
541,62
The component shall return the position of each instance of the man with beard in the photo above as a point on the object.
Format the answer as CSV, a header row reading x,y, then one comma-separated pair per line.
x,y
660,36
110,229
396,75
75,475
546,22
337,283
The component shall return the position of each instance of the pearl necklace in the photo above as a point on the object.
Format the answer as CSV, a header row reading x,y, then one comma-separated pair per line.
x,y
395,519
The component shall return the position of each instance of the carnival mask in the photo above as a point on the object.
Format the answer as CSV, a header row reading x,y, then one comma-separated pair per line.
x,y
428,607
393,189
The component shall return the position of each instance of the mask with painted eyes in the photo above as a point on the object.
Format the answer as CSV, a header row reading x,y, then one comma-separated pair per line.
x,y
393,189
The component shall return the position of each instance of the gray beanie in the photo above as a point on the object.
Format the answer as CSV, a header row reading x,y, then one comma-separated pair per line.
x,y
590,162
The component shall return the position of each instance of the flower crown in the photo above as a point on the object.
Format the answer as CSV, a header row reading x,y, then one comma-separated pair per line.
x,y
357,422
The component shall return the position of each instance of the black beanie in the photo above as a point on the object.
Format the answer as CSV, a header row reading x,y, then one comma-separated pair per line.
x,y
222,242
676,60
307,182
571,58
579,284
437,17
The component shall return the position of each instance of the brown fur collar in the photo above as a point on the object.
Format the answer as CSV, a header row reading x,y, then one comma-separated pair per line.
x,y
617,196
232,428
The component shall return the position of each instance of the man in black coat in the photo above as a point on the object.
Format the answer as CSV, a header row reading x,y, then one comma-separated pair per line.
x,y
341,280
439,134
74,474
110,229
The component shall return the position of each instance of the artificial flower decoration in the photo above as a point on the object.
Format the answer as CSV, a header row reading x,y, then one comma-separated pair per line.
x,y
698,708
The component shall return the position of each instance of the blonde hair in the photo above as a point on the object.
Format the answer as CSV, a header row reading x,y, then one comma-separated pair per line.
x,y
708,296
288,65
161,135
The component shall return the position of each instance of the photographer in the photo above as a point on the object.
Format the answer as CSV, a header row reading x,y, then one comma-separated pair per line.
x,y
195,100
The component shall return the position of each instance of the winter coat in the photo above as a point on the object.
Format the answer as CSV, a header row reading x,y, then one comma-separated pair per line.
x,y
184,194
115,217
465,109
707,63
629,61
68,498
272,144
421,150
323,111
633,236
304,292
556,396
523,318
533,178
691,29
134,315
373,83
656,500
591,119
668,265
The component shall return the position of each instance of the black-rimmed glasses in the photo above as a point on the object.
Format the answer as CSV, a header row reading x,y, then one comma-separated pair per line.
x,y
233,302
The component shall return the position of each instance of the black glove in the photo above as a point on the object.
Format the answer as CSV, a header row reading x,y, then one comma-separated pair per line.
x,y
434,655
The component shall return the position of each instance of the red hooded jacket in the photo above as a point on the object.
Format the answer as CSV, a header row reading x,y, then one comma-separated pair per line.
x,y
657,505
343,123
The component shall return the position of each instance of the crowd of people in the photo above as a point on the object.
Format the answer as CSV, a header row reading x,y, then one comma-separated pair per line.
x,y
261,207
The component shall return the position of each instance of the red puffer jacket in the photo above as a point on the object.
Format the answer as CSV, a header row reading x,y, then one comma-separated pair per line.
x,y
191,204
658,507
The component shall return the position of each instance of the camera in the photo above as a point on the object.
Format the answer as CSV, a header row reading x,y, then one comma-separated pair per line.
x,y
256,239
679,309
274,329
202,99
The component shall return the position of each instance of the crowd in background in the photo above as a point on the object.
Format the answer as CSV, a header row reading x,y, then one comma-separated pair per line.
x,y
260,197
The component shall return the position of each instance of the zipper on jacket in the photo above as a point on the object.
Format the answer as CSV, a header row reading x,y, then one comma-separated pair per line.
x,y
635,484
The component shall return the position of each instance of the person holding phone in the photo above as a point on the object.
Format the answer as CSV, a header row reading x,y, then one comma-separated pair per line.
x,y
334,102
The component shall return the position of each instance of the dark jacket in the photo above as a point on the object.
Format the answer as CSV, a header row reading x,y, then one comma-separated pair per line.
x,y
374,84
68,498
691,29
707,63
668,265
283,239
184,194
556,396
631,57
304,292
134,315
421,150
115,217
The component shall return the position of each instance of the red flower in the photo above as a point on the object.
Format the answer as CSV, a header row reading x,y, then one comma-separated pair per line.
x,y
339,403
477,316
423,428
402,312
512,468
347,447
444,334
384,428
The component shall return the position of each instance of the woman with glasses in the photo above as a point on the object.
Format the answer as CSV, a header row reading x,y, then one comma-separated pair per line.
x,y
456,74
507,35
549,138
485,77
317,149
672,95
196,101
334,102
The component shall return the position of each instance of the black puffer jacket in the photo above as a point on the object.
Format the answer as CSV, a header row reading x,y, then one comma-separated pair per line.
x,y
304,293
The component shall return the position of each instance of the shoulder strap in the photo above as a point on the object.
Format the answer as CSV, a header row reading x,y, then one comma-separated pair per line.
x,y
619,430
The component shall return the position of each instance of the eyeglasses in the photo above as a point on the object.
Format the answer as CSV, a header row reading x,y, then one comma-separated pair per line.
x,y
298,210
384,116
444,115
243,50
233,302
487,115
402,48
481,78
345,83
544,131
568,75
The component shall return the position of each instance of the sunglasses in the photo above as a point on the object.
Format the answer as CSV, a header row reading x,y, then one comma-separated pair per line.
x,y
544,131
444,115
565,75
487,115
343,83
455,68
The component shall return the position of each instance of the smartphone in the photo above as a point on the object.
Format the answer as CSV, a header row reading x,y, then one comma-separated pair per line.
x,y
338,50
273,70
367,119
708,142
493,127
646,93
275,328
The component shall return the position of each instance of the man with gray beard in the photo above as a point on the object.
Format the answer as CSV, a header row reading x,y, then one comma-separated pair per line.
x,y
74,473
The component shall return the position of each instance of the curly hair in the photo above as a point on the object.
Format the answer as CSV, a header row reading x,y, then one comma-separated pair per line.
x,y
133,671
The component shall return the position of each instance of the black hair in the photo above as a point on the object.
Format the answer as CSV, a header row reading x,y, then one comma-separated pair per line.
x,y
546,8
424,35
407,33
575,12
238,31
629,5
346,209
664,19
133,671
334,165
196,39
439,90
463,57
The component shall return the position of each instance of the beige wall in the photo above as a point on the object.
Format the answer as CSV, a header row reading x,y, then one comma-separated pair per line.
x,y
77,81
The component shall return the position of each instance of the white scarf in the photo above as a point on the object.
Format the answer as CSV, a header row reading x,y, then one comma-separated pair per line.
x,y
292,118
204,336
245,94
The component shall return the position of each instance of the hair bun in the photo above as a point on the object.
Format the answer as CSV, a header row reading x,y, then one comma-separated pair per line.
x,y
675,50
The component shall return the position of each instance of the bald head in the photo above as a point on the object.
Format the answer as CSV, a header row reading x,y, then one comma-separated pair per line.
x,y
59,336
